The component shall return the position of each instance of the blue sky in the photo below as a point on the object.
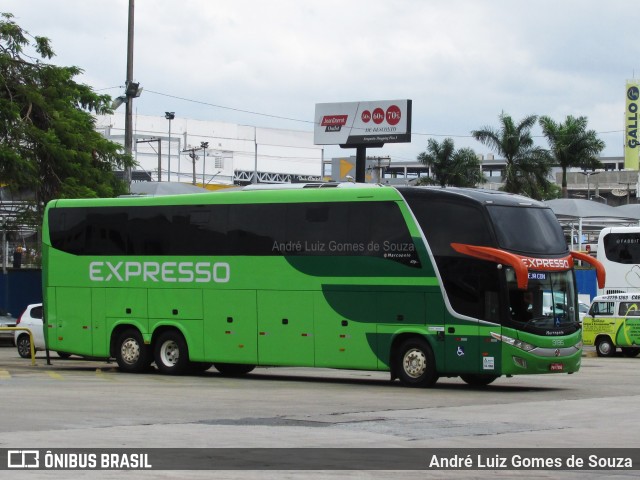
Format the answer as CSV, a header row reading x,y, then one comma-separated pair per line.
x,y
461,62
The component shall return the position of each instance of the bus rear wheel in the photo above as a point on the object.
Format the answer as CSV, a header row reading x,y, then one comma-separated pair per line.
x,y
605,347
132,354
199,367
478,380
171,353
415,363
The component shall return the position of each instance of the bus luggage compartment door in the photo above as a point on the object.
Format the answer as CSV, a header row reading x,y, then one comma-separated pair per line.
x,y
285,328
72,327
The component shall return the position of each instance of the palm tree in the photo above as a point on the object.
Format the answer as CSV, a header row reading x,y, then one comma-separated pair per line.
x,y
456,168
527,166
572,145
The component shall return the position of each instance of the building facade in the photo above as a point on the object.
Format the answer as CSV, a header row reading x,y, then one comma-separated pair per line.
x,y
210,154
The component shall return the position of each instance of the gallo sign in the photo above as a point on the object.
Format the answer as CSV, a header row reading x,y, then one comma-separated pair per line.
x,y
631,126
363,123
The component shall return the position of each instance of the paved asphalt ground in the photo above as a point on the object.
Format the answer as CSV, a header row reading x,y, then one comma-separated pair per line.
x,y
77,403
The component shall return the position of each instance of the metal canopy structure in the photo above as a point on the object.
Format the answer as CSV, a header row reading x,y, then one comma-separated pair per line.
x,y
579,216
632,210
591,212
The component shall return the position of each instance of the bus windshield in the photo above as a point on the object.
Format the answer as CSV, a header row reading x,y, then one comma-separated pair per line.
x,y
547,307
526,229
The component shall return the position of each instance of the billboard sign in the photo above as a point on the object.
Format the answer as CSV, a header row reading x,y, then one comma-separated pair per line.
x,y
363,123
631,140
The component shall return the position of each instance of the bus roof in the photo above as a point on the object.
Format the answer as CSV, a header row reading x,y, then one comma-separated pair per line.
x,y
301,193
476,195
309,192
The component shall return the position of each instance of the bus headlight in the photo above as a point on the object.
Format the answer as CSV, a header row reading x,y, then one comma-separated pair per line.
x,y
527,347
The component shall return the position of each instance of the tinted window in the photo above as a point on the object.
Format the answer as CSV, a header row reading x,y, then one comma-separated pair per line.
x,y
472,285
36,312
338,228
255,229
528,230
444,223
622,247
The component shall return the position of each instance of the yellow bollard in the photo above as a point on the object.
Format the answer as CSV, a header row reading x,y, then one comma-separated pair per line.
x,y
28,330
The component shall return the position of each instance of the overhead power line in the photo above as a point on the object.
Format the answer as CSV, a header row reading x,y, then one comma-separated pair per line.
x,y
311,122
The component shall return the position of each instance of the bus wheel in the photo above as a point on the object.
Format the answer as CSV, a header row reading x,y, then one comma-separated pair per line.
x,y
415,363
233,369
171,353
605,347
24,346
132,354
478,380
630,351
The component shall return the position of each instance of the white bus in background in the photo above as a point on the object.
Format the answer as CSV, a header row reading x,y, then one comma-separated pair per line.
x,y
619,252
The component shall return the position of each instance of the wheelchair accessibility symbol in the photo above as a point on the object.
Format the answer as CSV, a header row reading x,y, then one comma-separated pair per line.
x,y
460,352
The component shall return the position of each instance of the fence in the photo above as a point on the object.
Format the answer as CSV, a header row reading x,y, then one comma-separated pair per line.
x,y
19,288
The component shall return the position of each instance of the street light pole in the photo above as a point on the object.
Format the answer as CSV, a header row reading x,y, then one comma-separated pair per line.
x,y
128,118
588,175
169,116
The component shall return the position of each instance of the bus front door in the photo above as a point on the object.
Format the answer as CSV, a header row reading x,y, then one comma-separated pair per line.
x,y
461,346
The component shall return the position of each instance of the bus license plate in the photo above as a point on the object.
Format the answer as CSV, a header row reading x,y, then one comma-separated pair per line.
x,y
556,367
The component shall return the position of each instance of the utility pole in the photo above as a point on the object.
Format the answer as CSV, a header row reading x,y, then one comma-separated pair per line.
x,y
193,157
379,168
255,155
159,140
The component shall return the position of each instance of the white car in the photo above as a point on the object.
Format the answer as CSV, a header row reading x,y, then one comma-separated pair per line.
x,y
32,319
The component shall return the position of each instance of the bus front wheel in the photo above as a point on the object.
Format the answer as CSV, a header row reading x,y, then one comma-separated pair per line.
x,y
132,354
171,353
415,363
605,347
478,380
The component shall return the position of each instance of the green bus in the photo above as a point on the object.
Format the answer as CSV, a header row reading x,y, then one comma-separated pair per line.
x,y
421,282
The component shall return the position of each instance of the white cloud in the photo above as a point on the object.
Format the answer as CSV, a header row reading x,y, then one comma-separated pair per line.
x,y
461,62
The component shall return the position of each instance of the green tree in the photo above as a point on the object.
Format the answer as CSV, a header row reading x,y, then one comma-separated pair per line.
x,y
455,168
572,145
48,141
527,166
